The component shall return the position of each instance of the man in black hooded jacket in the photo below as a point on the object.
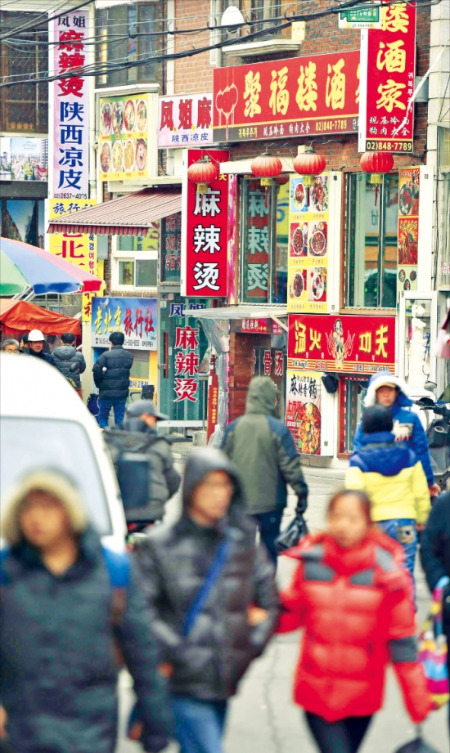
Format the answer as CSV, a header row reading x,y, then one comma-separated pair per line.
x,y
112,377
206,656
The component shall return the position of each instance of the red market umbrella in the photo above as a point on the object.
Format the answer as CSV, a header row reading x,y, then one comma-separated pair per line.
x,y
25,268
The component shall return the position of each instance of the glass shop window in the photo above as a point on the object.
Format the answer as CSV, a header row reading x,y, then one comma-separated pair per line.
x,y
371,242
352,391
264,242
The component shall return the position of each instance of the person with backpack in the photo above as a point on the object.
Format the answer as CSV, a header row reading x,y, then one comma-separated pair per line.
x,y
69,361
388,390
392,476
112,377
65,602
212,596
138,434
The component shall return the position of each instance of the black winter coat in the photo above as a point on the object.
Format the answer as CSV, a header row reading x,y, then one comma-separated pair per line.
x,y
69,362
435,550
43,356
112,373
59,676
164,479
174,560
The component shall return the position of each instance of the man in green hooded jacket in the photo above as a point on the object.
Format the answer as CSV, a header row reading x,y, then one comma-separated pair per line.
x,y
264,453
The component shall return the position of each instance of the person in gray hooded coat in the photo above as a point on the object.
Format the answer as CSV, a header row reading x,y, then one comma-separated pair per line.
x,y
264,453
206,657
60,613
69,361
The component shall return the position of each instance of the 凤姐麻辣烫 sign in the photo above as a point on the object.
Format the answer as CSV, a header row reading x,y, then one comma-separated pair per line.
x,y
70,178
349,344
388,64
185,121
315,94
205,232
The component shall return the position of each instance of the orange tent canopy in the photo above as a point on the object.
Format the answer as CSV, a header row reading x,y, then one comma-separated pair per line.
x,y
21,316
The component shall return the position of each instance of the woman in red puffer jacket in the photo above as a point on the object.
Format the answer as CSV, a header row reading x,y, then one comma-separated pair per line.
x,y
353,596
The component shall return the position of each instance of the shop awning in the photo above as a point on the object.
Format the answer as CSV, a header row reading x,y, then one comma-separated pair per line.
x,y
244,312
132,214
21,316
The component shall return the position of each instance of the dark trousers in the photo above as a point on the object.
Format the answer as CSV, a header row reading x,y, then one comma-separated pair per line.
x,y
269,528
343,736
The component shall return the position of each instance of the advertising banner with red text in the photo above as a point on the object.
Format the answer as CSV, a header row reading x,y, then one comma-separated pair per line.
x,y
388,64
341,343
315,94
185,121
70,133
204,232
303,410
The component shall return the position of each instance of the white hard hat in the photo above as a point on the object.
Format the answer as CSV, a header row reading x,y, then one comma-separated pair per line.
x,y
35,336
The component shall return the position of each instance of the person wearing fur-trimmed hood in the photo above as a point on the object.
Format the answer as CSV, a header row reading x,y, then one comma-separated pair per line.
x,y
60,614
390,391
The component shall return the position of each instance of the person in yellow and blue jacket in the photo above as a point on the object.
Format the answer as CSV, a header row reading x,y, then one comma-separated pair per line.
x,y
393,477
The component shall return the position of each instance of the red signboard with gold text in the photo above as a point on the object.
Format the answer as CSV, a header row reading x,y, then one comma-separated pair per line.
x,y
204,233
316,94
388,63
341,343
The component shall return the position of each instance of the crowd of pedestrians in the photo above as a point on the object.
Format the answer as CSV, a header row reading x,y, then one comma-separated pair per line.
x,y
195,601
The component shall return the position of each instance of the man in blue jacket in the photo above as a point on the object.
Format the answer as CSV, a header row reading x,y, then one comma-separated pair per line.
x,y
388,390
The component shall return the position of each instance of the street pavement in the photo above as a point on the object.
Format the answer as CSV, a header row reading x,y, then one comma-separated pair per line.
x,y
263,717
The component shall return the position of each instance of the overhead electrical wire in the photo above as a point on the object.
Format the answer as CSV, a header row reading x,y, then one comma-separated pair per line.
x,y
101,69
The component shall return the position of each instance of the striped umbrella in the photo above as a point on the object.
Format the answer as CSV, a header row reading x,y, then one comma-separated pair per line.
x,y
24,268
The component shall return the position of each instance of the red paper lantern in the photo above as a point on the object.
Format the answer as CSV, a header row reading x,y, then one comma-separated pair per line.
x,y
266,167
376,163
309,164
203,172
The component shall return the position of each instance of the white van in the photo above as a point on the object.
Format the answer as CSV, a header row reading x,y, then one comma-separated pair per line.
x,y
44,424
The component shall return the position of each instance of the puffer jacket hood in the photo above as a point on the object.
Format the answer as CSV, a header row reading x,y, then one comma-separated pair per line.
x,y
133,435
205,460
50,481
323,537
64,353
382,454
385,377
261,396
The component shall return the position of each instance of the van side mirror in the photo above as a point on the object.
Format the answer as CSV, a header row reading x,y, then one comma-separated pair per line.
x,y
133,475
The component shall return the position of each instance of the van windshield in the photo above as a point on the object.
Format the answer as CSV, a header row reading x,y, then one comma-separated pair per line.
x,y
30,444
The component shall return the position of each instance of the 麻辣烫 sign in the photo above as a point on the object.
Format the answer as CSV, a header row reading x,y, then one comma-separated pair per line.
x,y
185,121
204,232
127,138
388,64
341,343
70,135
135,317
301,96
308,245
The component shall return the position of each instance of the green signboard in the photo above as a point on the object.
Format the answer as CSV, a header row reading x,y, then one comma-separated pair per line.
x,y
368,17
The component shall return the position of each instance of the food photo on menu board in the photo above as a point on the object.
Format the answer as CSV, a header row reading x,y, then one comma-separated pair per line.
x,y
123,136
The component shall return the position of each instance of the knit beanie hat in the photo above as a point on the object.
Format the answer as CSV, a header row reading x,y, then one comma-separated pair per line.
x,y
377,418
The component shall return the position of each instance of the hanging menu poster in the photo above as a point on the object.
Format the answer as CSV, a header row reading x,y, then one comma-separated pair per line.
x,y
303,410
408,228
308,246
